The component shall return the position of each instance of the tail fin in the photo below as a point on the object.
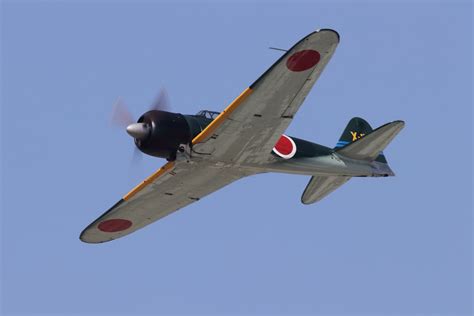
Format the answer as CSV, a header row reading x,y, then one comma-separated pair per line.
x,y
356,129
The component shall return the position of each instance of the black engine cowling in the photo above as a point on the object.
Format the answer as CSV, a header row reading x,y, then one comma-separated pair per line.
x,y
167,131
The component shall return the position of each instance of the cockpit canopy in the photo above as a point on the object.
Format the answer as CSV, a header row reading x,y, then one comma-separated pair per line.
x,y
208,114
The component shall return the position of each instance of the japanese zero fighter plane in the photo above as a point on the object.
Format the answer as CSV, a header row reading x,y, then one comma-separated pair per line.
x,y
210,150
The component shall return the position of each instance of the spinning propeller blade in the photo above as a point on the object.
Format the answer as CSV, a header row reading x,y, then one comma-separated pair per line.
x,y
121,116
137,157
161,102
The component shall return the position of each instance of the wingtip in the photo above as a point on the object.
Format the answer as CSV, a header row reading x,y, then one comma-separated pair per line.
x,y
331,30
83,234
400,122
83,237
305,202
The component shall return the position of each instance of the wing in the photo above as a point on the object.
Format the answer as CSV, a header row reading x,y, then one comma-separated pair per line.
x,y
172,187
247,130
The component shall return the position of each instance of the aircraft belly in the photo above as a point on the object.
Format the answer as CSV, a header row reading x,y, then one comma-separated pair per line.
x,y
323,165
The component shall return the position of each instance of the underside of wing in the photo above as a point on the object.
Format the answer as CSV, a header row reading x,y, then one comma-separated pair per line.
x,y
172,187
250,126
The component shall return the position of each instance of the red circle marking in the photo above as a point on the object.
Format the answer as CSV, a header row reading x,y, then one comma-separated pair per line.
x,y
114,225
284,146
303,60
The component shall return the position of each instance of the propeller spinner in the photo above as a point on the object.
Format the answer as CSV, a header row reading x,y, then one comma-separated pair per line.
x,y
123,118
157,132
139,130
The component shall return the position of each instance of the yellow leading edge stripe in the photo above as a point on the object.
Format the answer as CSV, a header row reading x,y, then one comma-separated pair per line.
x,y
200,137
149,180
221,117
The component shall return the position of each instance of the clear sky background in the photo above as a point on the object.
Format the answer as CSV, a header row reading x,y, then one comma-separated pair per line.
x,y
385,246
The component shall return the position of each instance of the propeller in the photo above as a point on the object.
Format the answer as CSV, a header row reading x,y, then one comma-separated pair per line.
x,y
161,102
121,116
123,119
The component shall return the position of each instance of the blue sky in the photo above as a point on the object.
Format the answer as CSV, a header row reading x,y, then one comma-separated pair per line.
x,y
391,246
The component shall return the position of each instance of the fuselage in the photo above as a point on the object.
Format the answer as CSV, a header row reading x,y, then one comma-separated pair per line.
x,y
169,132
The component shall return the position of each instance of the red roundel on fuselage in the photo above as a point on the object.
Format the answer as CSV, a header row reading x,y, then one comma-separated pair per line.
x,y
114,225
303,60
285,147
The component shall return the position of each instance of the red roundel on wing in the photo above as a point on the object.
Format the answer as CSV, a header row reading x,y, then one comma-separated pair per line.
x,y
114,225
284,146
303,60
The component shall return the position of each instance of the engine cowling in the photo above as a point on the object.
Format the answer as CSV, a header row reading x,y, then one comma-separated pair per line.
x,y
166,131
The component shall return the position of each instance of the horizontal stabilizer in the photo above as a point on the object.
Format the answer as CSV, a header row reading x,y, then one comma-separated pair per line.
x,y
320,186
369,146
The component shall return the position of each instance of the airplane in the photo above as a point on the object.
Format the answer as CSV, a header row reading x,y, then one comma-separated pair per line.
x,y
210,150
